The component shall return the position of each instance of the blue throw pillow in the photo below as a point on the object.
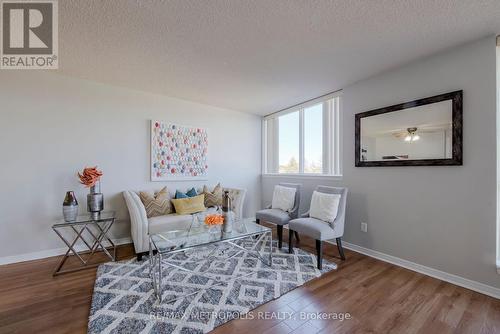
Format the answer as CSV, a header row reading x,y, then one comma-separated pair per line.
x,y
191,193
179,194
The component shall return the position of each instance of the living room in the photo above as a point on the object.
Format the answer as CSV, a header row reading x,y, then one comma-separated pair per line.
x,y
190,166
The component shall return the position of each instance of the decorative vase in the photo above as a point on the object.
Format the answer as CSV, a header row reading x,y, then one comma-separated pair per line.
x,y
95,201
227,226
70,207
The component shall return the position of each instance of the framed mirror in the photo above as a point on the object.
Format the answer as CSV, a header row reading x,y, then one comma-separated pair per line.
x,y
424,132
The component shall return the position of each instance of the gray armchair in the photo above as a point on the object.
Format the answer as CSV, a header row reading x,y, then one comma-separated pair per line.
x,y
280,217
321,230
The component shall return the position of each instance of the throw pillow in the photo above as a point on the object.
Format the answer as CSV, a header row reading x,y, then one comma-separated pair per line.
x,y
213,198
189,205
324,206
283,198
190,193
179,194
156,204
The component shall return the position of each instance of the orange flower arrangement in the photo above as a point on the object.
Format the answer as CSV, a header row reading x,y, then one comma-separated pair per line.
x,y
90,176
212,220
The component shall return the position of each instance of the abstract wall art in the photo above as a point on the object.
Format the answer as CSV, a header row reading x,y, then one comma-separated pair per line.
x,y
178,152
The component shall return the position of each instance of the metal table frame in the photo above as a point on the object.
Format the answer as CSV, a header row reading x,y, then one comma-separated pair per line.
x,y
98,232
156,259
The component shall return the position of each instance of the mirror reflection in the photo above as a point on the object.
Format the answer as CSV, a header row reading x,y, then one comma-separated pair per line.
x,y
423,132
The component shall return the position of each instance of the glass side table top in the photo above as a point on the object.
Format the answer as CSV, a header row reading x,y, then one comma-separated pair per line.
x,y
87,218
198,234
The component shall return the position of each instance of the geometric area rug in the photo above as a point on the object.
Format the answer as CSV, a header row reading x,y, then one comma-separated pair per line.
x,y
124,300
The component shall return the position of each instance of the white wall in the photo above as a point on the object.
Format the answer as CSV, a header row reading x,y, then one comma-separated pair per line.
x,y
440,217
498,152
51,126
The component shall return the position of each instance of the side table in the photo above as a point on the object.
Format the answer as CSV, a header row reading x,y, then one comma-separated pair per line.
x,y
95,240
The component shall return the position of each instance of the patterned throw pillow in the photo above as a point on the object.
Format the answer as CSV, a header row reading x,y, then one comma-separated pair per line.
x,y
156,204
213,198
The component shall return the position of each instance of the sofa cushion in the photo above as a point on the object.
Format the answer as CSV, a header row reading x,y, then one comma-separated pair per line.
x,y
169,223
313,228
275,216
214,197
184,206
156,204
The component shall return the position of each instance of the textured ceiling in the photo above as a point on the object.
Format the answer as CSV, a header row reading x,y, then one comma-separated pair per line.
x,y
258,56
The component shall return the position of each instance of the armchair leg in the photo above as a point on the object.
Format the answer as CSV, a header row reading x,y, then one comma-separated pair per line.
x,y
341,249
290,241
297,236
257,221
139,257
280,236
319,252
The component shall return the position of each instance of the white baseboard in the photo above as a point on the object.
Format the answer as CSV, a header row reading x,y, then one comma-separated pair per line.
x,y
51,252
454,279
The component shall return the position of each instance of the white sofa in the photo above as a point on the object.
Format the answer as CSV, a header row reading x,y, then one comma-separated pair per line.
x,y
141,227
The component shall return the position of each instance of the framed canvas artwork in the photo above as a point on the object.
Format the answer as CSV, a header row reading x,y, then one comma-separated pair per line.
x,y
178,152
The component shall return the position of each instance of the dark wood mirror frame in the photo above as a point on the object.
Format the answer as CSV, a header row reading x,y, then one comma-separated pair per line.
x,y
456,159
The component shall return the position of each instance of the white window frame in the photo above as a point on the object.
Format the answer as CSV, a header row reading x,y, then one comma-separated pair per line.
x,y
332,139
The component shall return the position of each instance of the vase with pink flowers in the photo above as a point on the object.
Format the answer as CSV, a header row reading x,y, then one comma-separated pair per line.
x,y
91,178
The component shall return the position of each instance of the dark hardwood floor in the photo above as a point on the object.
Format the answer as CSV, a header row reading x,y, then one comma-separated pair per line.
x,y
380,298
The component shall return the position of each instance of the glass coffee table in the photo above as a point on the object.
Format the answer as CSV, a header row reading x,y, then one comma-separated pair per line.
x,y
199,237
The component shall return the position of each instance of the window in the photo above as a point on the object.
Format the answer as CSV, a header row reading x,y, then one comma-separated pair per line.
x,y
288,130
304,139
313,139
